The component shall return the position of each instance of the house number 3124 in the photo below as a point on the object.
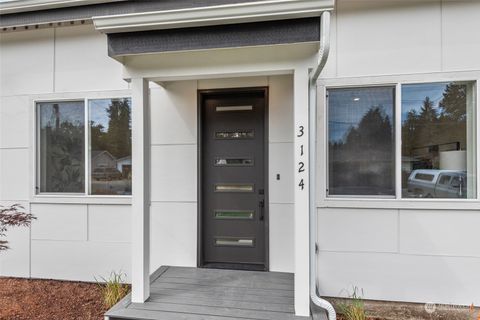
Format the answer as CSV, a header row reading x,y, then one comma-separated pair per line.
x,y
301,164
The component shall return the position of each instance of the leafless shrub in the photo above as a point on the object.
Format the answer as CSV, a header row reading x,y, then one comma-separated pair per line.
x,y
13,216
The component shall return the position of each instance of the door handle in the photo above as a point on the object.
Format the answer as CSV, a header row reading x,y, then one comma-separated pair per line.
x,y
261,205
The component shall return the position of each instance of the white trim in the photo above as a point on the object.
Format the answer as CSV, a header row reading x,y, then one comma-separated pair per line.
x,y
213,15
399,78
14,6
87,147
417,204
397,111
82,199
477,128
301,80
141,149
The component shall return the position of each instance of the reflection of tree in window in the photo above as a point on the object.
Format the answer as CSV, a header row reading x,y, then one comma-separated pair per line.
x,y
427,132
62,147
116,139
362,160
110,130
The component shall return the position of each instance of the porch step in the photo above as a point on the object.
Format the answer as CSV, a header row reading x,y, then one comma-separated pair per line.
x,y
211,294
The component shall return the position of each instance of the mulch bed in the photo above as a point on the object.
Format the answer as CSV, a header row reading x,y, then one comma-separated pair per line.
x,y
26,299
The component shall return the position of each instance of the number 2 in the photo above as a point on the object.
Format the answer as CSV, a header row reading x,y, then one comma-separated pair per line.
x,y
300,167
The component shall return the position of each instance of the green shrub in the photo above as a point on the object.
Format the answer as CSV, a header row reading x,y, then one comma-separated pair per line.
x,y
113,288
354,309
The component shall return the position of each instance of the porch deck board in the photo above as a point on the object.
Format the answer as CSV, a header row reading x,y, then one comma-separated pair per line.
x,y
223,296
228,283
179,293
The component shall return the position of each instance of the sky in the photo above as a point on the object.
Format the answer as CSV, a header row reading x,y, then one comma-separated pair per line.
x,y
98,112
70,111
413,96
348,106
73,111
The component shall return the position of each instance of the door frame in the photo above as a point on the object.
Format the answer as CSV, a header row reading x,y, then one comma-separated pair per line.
x,y
201,94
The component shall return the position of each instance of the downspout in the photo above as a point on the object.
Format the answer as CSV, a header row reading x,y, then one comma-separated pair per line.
x,y
312,109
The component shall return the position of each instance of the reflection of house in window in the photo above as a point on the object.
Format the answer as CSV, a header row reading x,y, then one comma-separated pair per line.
x,y
104,166
124,165
103,159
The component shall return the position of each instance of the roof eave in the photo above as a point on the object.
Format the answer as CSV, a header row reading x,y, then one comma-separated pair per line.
x,y
213,15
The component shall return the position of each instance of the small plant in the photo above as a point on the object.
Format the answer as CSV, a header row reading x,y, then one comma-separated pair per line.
x,y
12,216
113,288
354,309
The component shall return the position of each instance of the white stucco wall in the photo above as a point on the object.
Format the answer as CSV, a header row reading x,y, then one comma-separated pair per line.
x,y
174,169
392,250
73,238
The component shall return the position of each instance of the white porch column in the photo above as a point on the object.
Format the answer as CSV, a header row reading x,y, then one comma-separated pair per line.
x,y
301,193
140,191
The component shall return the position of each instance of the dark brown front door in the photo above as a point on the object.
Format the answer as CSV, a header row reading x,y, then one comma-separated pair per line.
x,y
232,179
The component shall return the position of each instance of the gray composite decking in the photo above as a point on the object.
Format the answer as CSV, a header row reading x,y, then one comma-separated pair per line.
x,y
179,293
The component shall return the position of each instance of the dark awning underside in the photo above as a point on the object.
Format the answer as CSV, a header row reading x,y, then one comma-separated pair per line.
x,y
219,36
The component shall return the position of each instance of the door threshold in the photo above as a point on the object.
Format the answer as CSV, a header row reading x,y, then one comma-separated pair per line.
x,y
235,266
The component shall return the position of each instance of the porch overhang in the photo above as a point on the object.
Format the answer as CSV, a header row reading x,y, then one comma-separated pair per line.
x,y
144,41
213,15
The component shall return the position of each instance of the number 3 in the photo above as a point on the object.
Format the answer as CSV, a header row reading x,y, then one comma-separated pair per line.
x,y
301,128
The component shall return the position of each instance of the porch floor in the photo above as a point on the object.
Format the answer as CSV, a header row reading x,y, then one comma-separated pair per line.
x,y
179,293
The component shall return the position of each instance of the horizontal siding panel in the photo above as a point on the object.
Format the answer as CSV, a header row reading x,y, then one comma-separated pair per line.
x,y
59,222
398,277
373,230
81,261
440,232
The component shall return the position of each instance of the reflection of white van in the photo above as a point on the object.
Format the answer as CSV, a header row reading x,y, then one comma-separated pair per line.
x,y
431,183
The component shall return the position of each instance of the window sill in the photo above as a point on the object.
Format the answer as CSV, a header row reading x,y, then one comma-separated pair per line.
x,y
81,199
415,204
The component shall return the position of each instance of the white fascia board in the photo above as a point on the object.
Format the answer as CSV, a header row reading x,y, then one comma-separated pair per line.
x,y
14,6
213,15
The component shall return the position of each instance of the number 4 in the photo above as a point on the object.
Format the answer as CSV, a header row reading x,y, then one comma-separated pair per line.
x,y
301,184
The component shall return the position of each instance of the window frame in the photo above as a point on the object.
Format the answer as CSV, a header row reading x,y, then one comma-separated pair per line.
x,y
81,197
397,202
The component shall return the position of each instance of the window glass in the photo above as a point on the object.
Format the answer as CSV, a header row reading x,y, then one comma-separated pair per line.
x,y
445,179
234,187
61,146
438,137
239,134
232,162
361,141
110,147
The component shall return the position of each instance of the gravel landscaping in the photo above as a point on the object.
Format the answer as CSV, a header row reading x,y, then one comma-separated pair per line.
x,y
25,299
